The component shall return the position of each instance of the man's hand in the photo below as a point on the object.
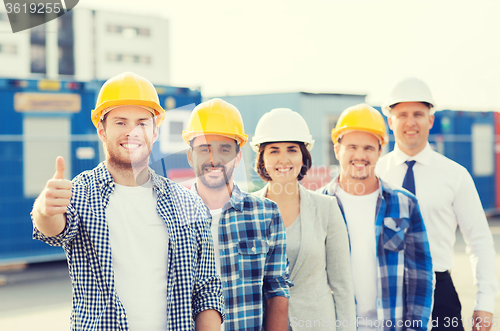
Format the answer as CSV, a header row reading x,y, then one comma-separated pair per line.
x,y
483,320
49,209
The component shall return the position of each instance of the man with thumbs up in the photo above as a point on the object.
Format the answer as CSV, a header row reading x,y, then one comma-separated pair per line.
x,y
139,251
51,204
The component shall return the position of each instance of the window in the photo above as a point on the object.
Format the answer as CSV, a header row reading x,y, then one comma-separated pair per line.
x,y
114,28
175,131
38,59
66,44
8,49
66,60
170,138
128,31
37,33
44,139
128,58
143,32
38,53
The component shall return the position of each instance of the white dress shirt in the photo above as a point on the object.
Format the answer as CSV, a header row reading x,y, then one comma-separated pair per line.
x,y
448,197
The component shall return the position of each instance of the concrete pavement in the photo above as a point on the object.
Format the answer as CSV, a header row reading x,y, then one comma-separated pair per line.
x,y
39,298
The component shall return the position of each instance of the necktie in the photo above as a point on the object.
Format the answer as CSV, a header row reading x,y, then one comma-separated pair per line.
x,y
409,181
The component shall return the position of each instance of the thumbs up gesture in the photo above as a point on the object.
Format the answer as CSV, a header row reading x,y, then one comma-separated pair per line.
x,y
55,196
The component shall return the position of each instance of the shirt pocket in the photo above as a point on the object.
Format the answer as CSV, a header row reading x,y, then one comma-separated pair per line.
x,y
252,258
394,231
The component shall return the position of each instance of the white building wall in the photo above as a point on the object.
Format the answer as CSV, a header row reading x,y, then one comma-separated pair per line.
x,y
84,44
14,50
99,53
126,50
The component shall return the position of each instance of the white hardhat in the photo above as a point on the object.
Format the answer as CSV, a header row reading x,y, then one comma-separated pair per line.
x,y
281,124
409,90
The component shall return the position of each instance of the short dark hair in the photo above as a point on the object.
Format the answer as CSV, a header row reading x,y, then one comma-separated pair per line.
x,y
237,145
103,120
339,139
260,167
425,103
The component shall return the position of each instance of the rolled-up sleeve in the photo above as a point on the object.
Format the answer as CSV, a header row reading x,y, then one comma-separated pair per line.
x,y
207,292
276,274
66,236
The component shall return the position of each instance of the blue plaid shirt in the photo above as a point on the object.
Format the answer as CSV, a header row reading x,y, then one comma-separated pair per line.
x,y
253,259
405,277
192,284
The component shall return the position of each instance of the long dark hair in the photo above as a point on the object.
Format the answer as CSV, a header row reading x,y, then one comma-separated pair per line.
x,y
260,167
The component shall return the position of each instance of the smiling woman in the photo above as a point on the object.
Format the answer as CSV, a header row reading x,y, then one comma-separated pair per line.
x,y
317,245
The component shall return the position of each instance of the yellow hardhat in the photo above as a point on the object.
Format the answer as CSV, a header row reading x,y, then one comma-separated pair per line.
x,y
361,117
215,116
127,89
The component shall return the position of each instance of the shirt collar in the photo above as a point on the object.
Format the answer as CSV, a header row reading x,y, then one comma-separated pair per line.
x,y
104,179
423,157
235,201
334,185
159,185
107,184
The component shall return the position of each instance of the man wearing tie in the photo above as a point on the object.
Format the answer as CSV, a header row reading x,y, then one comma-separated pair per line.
x,y
447,197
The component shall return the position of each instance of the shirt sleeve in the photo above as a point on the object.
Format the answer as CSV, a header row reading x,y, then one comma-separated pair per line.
x,y
479,240
418,272
66,236
207,291
276,274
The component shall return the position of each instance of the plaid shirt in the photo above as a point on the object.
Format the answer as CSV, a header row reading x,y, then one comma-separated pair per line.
x,y
253,259
405,277
192,284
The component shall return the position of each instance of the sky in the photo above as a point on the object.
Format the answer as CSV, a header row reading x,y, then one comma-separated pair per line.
x,y
357,46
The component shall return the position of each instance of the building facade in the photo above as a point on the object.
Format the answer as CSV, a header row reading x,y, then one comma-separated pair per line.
x,y
87,44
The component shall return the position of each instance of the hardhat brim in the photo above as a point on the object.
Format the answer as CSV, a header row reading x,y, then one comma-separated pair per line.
x,y
256,143
386,108
159,111
190,135
382,138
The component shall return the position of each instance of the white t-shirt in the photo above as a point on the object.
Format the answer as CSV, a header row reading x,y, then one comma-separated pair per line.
x,y
359,211
139,249
216,214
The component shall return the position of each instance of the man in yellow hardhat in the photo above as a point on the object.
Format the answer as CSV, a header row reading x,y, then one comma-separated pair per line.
x,y
248,232
138,245
390,257
448,198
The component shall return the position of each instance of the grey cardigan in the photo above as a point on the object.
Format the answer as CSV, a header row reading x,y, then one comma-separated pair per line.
x,y
323,296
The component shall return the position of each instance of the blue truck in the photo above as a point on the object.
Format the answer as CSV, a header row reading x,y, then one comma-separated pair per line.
x,y
42,119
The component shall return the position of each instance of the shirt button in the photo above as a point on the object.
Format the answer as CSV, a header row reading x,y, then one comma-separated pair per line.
x,y
254,249
122,315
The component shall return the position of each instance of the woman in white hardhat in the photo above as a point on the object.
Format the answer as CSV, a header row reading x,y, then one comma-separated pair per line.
x,y
317,243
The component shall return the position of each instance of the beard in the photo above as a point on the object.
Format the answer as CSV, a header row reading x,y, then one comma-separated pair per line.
x,y
203,173
361,174
133,161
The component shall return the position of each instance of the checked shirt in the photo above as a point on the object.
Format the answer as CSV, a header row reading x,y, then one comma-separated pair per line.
x,y
404,287
192,283
253,260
